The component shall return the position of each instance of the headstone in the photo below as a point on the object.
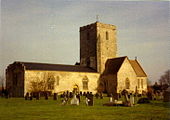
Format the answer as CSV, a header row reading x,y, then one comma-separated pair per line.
x,y
64,101
84,94
55,97
81,93
37,96
31,96
143,100
101,96
46,96
97,95
87,101
90,97
27,96
132,101
74,101
71,95
78,97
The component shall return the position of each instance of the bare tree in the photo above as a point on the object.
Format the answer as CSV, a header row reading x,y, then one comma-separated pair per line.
x,y
2,80
43,83
165,78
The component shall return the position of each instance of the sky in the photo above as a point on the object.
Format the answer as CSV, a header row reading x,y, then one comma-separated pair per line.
x,y
47,31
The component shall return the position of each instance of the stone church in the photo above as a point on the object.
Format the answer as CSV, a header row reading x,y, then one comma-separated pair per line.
x,y
99,70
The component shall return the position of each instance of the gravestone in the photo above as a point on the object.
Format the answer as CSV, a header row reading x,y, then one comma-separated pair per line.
x,y
46,95
78,97
55,97
90,97
101,96
31,96
64,101
87,101
81,93
97,95
111,98
84,94
37,96
27,96
71,95
132,101
74,101
143,100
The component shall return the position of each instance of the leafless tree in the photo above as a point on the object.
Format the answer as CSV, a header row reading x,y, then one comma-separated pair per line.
x,y
2,80
45,83
165,78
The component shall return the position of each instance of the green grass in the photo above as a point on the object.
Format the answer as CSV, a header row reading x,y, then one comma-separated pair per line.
x,y
20,109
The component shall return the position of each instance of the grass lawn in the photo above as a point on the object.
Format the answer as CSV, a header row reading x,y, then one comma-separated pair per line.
x,y
20,109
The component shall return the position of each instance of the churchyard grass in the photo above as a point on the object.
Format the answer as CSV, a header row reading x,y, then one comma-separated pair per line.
x,y
20,109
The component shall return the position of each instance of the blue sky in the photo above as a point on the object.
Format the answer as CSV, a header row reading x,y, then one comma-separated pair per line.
x,y
47,31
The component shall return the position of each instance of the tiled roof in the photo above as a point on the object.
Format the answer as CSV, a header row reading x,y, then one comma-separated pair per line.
x,y
113,65
137,68
55,67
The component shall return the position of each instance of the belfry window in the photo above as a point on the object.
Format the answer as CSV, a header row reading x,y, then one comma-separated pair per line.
x,y
127,83
85,83
107,35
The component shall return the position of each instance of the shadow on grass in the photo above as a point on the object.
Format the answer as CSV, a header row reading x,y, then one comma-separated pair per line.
x,y
161,104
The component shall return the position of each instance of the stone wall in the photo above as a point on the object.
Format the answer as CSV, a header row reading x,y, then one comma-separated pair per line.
x,y
63,80
126,72
106,44
95,47
15,80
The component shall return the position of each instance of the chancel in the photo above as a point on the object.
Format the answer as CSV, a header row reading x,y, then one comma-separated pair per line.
x,y
99,70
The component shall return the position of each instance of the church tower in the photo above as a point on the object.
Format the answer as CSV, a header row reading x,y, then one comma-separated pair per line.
x,y
97,44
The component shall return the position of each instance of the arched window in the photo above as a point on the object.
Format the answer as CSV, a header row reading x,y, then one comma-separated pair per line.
x,y
107,35
127,83
138,83
50,83
85,83
142,83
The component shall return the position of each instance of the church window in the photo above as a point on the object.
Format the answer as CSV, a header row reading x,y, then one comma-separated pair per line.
x,y
50,83
85,83
107,35
57,80
142,83
138,83
127,83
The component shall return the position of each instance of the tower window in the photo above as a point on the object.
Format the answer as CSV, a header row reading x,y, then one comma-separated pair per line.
x,y
107,35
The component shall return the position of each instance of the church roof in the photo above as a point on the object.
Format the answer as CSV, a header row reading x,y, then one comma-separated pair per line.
x,y
113,65
137,68
55,67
